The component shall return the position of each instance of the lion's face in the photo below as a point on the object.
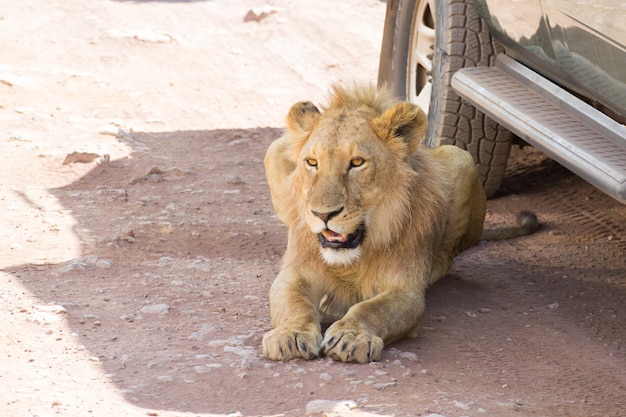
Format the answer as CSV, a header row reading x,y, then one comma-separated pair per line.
x,y
344,168
347,169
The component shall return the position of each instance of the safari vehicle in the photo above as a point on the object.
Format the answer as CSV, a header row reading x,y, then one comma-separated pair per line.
x,y
551,72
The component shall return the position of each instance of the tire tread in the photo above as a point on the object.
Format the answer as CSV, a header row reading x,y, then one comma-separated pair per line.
x,y
469,45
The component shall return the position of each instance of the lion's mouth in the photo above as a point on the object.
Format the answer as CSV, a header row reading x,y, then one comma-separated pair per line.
x,y
334,240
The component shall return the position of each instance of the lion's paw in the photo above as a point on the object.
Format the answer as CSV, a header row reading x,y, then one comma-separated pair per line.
x,y
350,344
283,344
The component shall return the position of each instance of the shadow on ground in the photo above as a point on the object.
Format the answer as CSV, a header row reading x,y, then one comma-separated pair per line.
x,y
180,245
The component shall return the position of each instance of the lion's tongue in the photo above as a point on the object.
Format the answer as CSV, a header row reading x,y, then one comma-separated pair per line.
x,y
331,236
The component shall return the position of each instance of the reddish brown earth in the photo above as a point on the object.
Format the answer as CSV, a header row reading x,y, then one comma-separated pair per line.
x,y
137,284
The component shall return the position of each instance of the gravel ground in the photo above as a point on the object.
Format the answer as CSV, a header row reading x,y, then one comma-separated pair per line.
x,y
135,272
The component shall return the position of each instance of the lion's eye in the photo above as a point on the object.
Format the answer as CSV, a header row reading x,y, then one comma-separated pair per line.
x,y
311,162
356,162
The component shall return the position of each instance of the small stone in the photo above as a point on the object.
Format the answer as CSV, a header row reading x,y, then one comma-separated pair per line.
x,y
383,385
155,309
300,371
410,356
241,351
258,14
80,157
84,262
71,265
42,317
326,376
109,130
246,363
56,309
325,406
200,334
153,364
460,405
104,263
127,317
155,178
233,341
201,369
204,356
165,378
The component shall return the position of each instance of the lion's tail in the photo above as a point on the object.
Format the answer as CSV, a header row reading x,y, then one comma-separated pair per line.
x,y
527,223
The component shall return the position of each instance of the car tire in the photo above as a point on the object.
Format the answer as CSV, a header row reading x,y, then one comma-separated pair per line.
x,y
431,40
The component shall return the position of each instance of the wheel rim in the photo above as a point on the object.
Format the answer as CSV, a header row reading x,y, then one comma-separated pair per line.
x,y
419,80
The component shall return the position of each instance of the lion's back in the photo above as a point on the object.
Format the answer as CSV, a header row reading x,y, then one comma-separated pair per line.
x,y
466,204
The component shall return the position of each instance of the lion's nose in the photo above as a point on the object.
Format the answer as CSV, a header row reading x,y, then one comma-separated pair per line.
x,y
328,215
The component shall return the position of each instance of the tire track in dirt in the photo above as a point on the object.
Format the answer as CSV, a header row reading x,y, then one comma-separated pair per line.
x,y
568,207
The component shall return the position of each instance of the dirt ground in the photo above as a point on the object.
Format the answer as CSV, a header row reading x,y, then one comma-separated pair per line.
x,y
134,274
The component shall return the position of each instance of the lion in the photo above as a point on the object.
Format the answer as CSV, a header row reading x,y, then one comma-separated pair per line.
x,y
374,218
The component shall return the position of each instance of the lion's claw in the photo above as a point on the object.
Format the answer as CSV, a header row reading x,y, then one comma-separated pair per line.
x,y
350,345
283,344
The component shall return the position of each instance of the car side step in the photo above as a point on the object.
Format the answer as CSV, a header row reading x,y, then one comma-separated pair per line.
x,y
562,126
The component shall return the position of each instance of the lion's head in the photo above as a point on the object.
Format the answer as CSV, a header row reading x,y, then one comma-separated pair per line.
x,y
352,169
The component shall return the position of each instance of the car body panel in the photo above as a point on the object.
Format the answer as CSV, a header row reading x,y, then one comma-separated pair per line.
x,y
579,46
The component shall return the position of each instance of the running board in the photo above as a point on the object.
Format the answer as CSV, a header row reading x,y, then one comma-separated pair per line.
x,y
562,126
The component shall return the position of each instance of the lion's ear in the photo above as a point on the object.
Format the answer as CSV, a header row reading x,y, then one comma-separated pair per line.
x,y
402,126
302,116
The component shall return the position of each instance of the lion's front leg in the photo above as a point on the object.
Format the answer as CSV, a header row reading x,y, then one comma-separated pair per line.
x,y
362,333
297,332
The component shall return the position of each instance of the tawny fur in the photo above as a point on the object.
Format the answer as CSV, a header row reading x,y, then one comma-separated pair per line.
x,y
361,157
